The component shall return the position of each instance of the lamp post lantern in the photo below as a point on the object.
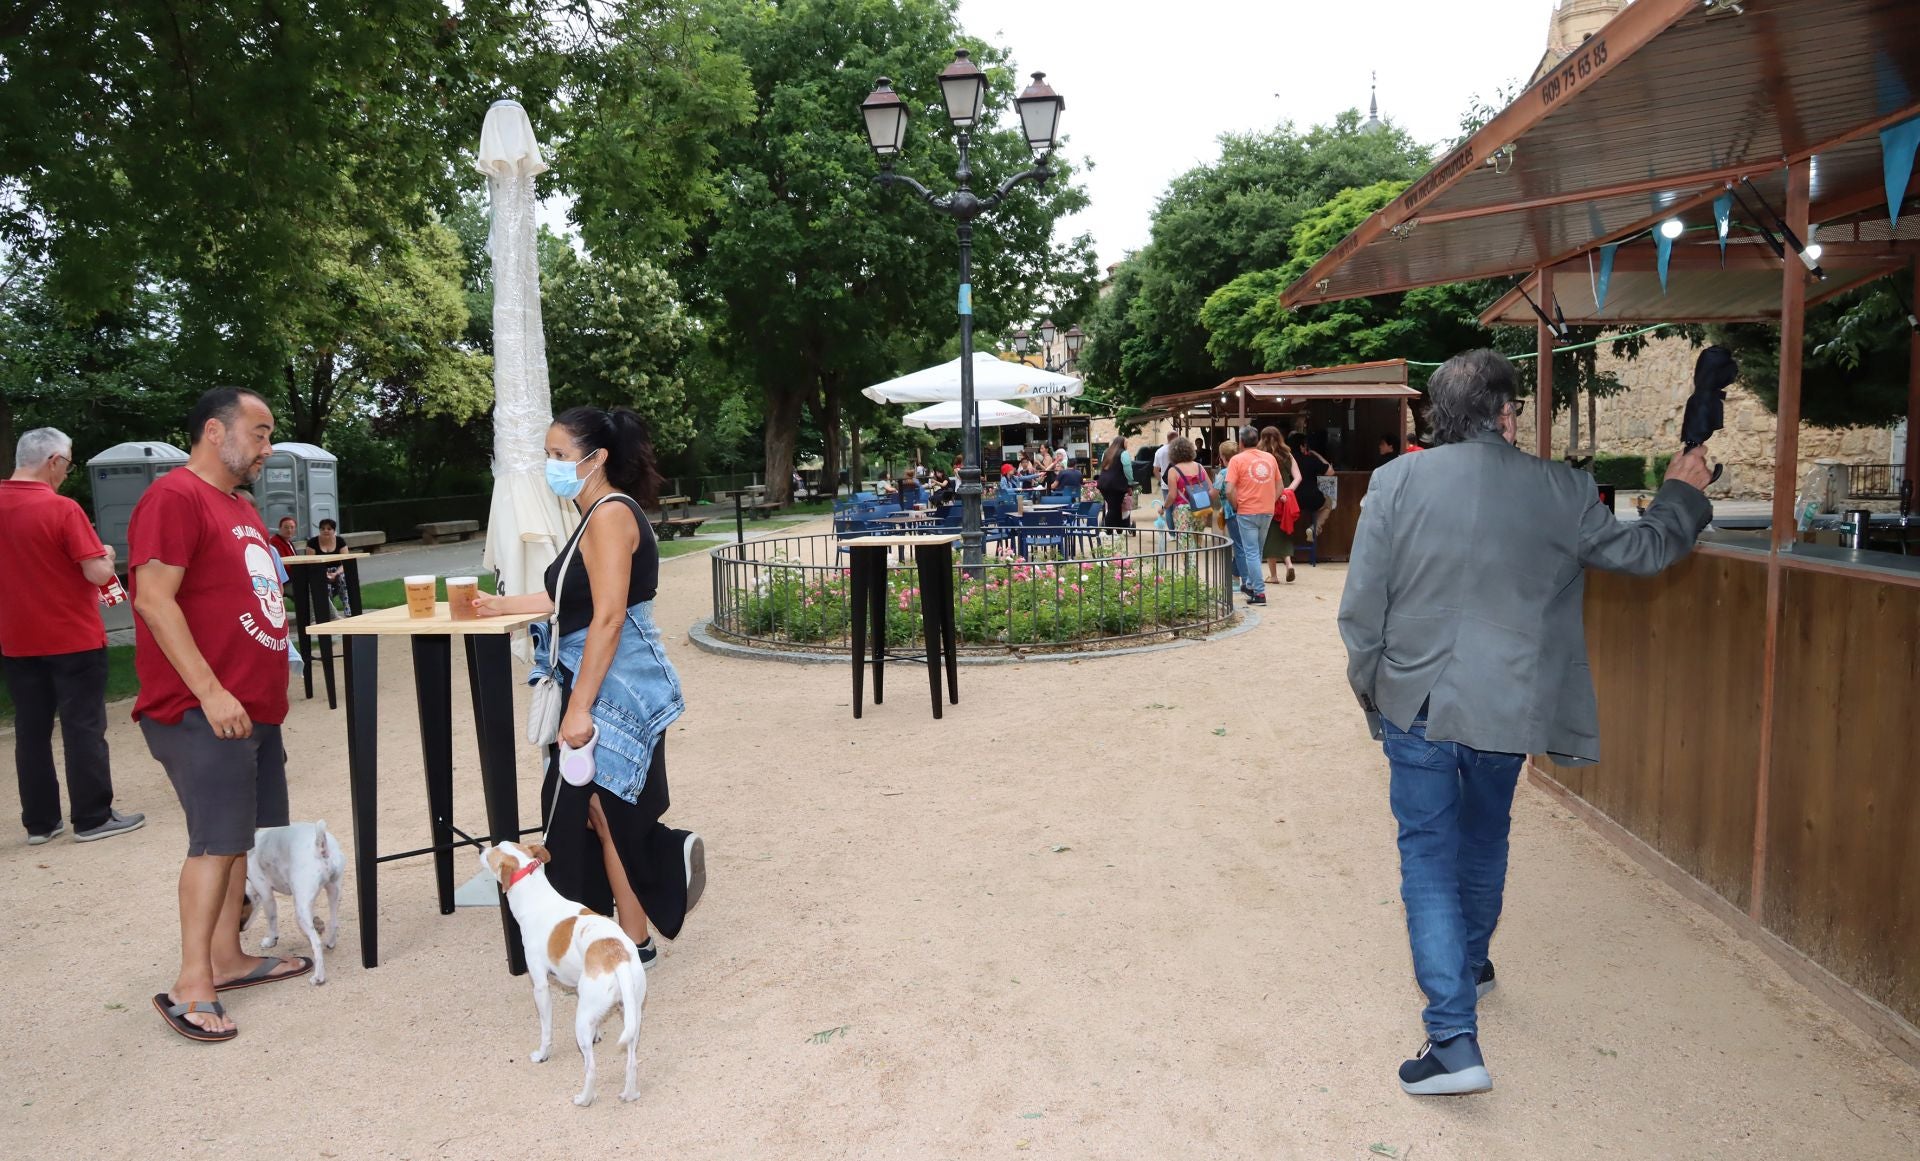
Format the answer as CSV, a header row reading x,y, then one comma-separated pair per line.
x,y
1047,333
963,89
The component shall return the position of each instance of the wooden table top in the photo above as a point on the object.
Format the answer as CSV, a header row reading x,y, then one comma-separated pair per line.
x,y
901,540
323,558
394,622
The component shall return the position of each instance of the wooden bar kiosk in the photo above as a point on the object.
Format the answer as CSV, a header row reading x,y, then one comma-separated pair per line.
x,y
1345,412
1760,702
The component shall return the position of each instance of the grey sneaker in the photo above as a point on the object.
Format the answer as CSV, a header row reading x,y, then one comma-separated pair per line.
x,y
35,840
116,823
1452,1067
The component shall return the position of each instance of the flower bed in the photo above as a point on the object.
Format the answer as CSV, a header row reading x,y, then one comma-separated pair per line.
x,y
1122,585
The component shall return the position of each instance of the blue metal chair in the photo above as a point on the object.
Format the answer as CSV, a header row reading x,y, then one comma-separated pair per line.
x,y
1043,530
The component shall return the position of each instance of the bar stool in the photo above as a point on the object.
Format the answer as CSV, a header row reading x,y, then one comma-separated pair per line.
x,y
933,560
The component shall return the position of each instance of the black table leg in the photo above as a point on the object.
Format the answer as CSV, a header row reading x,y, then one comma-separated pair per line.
x,y
877,600
857,607
363,761
930,620
490,673
322,613
433,693
950,631
303,608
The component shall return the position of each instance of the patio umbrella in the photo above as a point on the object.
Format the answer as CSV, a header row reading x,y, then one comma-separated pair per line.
x,y
993,378
993,413
528,523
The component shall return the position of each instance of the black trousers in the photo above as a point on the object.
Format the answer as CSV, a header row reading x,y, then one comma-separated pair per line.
x,y
72,687
1116,509
652,853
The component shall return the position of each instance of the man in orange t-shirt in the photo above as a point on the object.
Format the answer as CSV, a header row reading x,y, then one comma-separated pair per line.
x,y
1253,485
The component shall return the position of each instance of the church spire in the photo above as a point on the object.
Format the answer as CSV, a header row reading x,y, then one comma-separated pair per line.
x,y
1373,104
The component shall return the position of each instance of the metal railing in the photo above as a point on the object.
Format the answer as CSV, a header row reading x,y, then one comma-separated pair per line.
x,y
1100,586
1873,481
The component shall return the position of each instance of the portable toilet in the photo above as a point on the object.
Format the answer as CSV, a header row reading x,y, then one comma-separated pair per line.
x,y
120,476
301,481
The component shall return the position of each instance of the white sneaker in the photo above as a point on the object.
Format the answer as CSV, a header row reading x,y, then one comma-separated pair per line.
x,y
695,854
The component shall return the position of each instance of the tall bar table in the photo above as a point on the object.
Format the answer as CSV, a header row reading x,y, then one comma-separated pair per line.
x,y
309,582
933,562
490,677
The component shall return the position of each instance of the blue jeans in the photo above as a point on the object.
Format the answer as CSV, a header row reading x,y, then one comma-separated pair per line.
x,y
1454,805
1250,536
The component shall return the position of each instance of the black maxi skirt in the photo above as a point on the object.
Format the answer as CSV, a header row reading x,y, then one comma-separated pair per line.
x,y
652,853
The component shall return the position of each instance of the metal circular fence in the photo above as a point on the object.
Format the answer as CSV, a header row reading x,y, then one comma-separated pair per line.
x,y
1090,587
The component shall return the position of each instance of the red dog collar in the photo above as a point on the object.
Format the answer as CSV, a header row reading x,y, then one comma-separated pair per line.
x,y
520,874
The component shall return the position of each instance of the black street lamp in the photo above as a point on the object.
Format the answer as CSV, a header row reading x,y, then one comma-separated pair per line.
x,y
963,88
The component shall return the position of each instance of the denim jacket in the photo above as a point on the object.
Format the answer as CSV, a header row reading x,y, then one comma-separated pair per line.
x,y
639,698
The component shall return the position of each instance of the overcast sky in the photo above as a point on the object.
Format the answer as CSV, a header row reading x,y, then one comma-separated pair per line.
x,y
1149,89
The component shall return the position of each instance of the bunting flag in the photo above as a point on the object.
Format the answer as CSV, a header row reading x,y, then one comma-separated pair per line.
x,y
1663,247
1897,145
1723,220
1606,276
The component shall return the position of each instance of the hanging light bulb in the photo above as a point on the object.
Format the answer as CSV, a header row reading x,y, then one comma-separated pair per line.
x,y
1672,228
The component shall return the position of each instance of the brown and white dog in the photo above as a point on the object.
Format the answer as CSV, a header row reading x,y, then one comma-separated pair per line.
x,y
585,951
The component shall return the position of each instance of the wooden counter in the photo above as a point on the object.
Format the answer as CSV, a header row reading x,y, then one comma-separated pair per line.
x,y
1810,827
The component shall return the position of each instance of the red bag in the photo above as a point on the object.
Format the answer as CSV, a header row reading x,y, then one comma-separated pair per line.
x,y
1286,510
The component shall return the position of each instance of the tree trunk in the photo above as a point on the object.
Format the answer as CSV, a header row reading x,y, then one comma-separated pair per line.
x,y
782,436
830,458
856,471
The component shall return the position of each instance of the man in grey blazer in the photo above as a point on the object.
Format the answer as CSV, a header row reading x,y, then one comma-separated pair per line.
x,y
1462,621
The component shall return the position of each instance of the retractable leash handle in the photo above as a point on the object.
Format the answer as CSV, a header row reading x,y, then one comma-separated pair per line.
x,y
576,765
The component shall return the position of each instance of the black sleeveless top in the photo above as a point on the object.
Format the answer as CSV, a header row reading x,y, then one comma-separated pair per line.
x,y
643,577
1308,493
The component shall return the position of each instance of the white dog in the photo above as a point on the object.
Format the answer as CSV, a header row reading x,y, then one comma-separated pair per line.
x,y
297,860
585,951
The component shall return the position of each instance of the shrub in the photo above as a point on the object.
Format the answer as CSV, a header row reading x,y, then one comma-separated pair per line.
x,y
1659,471
1015,602
1620,471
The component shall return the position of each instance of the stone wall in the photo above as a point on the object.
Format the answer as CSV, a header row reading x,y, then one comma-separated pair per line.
x,y
1645,420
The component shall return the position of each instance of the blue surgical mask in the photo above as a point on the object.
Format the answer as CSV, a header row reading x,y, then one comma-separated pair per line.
x,y
564,478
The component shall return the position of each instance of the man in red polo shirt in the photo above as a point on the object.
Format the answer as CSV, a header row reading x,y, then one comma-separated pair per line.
x,y
210,647
55,644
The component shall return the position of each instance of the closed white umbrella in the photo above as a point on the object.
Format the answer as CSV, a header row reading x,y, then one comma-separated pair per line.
x,y
993,413
993,378
528,524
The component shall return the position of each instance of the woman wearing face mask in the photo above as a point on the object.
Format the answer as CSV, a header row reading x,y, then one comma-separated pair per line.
x,y
610,851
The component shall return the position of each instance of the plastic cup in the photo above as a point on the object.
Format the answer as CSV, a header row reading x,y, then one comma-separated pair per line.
x,y
461,592
420,597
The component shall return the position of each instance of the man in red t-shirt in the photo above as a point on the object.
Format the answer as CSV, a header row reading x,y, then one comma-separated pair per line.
x,y
56,645
210,649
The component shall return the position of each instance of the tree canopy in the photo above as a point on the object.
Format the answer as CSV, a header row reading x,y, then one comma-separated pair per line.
x,y
1233,216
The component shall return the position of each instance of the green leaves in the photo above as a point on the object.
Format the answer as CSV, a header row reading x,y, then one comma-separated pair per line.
x,y
1218,222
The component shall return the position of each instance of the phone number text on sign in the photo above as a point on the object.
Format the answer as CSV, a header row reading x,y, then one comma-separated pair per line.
x,y
1574,72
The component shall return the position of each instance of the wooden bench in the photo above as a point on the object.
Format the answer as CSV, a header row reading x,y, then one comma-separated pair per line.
x,y
363,541
441,530
761,509
682,526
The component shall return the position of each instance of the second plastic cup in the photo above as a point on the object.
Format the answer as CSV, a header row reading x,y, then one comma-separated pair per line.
x,y
420,597
461,591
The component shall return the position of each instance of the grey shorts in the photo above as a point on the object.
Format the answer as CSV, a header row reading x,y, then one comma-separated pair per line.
x,y
226,787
